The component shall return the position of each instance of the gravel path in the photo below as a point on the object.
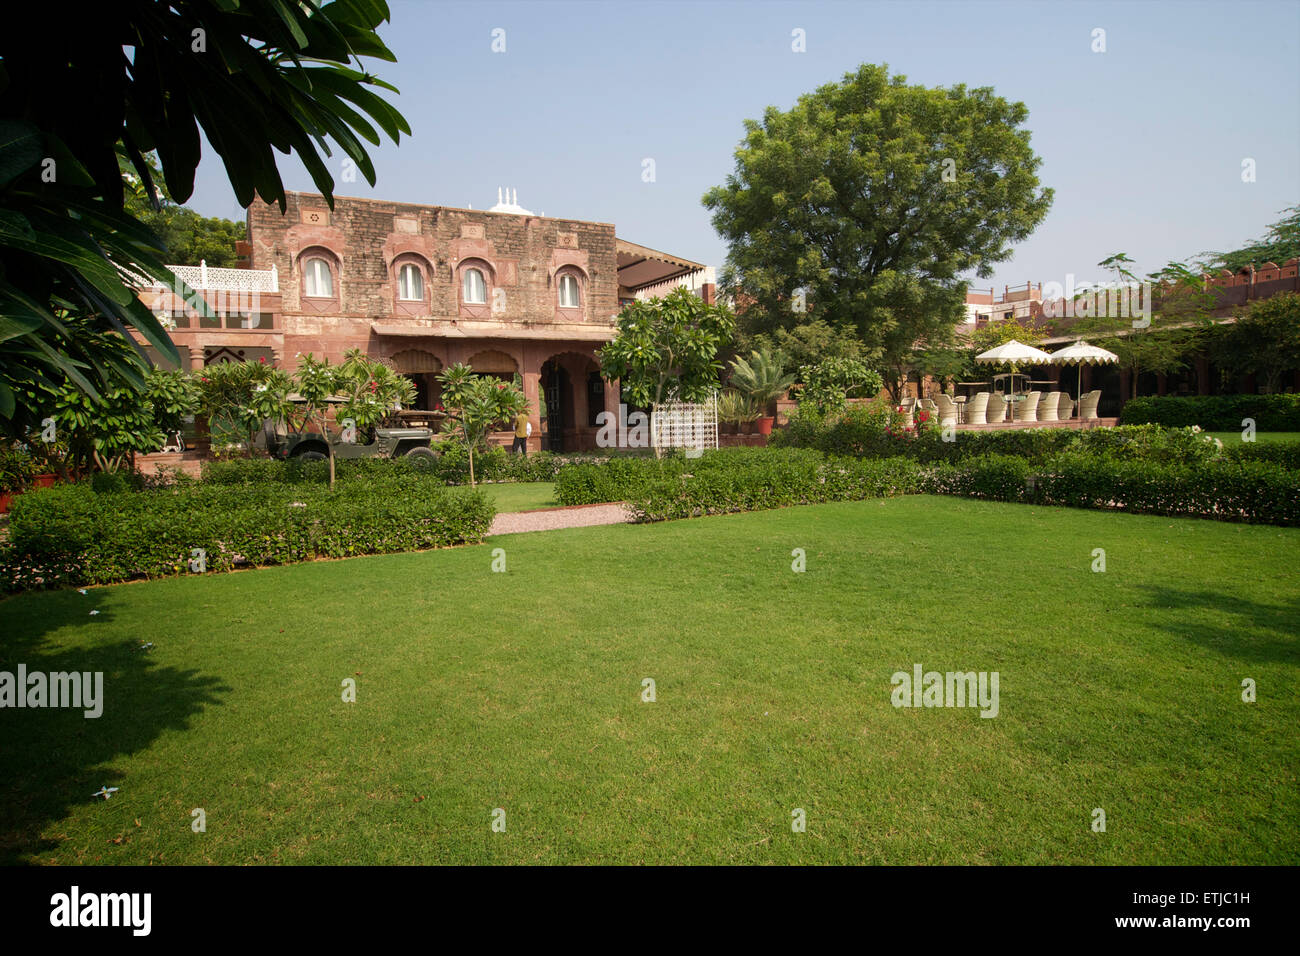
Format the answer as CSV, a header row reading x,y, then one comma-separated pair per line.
x,y
578,516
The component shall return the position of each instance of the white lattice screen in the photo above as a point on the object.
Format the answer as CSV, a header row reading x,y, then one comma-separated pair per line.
x,y
685,425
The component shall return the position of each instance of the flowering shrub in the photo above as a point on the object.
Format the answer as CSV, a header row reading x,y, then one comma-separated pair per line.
x,y
1150,443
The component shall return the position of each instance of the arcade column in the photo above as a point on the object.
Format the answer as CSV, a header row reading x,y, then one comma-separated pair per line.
x,y
532,391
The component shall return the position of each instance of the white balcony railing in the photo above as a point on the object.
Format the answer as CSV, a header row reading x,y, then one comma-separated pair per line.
x,y
203,278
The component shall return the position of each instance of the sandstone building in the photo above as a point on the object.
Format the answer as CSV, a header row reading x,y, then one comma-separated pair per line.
x,y
503,290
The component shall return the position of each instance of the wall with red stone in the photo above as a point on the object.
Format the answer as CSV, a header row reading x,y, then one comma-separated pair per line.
x,y
367,240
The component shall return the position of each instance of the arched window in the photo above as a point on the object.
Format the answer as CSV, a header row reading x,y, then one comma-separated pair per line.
x,y
569,291
318,278
410,283
475,289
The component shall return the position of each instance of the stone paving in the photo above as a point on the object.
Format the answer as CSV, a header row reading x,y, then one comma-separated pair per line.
x,y
548,519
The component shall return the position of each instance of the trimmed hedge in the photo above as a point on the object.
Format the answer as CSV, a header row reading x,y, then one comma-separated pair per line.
x,y
722,487
1220,413
70,535
748,479
733,479
1284,453
613,479
1251,491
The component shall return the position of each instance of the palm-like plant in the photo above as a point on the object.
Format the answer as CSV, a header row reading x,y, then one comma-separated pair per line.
x,y
761,377
735,408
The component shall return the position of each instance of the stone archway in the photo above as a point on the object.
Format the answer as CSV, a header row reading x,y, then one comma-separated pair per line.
x,y
422,368
411,361
565,385
493,362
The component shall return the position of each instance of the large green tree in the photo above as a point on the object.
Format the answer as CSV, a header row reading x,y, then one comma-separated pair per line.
x,y
134,77
1265,341
864,203
810,342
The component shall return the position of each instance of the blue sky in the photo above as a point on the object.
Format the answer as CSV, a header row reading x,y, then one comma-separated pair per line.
x,y
1143,143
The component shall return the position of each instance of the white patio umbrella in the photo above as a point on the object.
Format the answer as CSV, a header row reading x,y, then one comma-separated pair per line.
x,y
1081,354
1014,353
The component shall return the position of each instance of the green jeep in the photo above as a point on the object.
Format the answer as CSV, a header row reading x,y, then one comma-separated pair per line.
x,y
412,443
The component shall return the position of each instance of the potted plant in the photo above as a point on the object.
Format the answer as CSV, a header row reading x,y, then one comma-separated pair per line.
x,y
761,379
749,413
732,410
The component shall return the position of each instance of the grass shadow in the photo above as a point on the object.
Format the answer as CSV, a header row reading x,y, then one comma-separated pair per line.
x,y
1263,633
52,759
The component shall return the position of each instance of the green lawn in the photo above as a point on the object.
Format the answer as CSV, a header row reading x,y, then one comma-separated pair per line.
x,y
522,690
1234,438
521,496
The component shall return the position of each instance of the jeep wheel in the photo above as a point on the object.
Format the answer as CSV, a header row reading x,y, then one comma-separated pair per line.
x,y
421,458
312,456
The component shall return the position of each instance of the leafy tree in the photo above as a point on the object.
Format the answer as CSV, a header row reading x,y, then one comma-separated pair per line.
x,y
667,348
240,397
317,382
89,431
136,77
1266,340
1181,313
109,429
174,394
475,405
1018,328
1280,243
827,385
190,239
187,237
373,391
946,359
810,342
868,199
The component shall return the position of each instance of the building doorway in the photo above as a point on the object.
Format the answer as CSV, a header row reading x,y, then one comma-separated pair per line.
x,y
557,392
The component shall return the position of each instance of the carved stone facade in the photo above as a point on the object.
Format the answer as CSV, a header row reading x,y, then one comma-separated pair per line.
x,y
425,287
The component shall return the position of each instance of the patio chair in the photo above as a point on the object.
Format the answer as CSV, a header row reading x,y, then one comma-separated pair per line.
x,y
997,409
1088,405
947,410
977,408
1027,411
1047,407
1065,410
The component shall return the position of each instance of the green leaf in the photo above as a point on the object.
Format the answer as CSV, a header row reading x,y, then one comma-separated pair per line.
x,y
20,149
